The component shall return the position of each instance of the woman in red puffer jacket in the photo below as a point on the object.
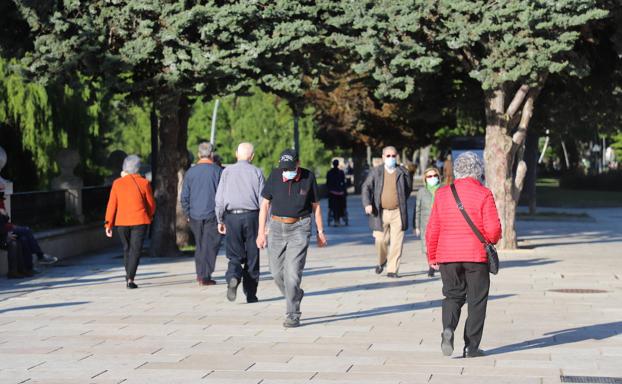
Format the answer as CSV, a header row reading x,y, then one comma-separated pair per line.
x,y
457,252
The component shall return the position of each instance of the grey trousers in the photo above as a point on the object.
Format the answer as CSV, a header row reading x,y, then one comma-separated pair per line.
x,y
287,251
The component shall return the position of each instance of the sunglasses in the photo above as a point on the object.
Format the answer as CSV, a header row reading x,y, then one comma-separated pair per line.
x,y
390,155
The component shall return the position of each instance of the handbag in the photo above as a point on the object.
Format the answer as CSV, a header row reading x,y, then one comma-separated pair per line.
x,y
491,251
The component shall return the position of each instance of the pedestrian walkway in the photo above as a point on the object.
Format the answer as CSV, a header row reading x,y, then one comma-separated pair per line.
x,y
78,324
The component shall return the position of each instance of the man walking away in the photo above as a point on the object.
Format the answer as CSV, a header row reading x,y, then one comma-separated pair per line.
x,y
336,185
237,213
385,194
198,195
292,194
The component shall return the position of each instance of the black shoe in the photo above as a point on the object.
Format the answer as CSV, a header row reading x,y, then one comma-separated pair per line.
x,y
431,272
447,341
392,275
380,268
131,285
469,353
252,299
232,289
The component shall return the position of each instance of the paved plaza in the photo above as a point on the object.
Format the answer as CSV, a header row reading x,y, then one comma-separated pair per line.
x,y
77,323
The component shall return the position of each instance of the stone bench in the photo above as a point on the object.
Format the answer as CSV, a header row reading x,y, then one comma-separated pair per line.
x,y
68,242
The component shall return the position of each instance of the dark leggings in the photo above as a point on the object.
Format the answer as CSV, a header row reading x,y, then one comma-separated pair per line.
x,y
132,238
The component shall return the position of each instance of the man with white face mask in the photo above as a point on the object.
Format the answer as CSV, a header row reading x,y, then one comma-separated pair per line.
x,y
291,195
384,196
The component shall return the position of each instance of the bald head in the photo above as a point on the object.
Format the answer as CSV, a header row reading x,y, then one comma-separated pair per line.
x,y
245,151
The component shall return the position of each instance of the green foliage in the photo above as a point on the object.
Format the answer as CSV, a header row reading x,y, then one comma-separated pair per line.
x,y
515,40
262,119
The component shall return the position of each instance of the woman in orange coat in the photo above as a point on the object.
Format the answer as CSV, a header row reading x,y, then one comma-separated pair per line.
x,y
130,208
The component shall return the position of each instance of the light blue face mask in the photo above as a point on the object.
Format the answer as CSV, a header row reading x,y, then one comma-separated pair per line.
x,y
390,162
289,175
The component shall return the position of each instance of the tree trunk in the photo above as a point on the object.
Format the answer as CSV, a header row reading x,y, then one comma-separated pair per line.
x,y
503,155
182,227
173,123
528,194
359,160
499,165
154,121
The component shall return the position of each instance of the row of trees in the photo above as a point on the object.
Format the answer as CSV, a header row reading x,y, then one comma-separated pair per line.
x,y
377,71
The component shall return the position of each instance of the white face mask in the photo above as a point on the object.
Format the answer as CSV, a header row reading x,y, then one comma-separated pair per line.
x,y
432,181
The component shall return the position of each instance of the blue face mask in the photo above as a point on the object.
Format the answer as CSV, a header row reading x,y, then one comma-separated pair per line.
x,y
289,175
390,162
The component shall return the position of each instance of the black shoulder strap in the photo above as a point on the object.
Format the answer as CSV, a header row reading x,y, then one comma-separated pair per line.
x,y
466,215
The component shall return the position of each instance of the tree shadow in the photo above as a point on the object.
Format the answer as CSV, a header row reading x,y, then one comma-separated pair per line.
x,y
526,263
41,306
379,311
565,336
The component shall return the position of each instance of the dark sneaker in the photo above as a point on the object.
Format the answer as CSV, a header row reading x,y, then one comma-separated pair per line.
x,y
232,289
447,341
206,281
392,275
380,268
131,285
252,299
470,353
291,323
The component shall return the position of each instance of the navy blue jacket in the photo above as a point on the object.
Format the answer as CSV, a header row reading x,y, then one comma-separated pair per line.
x,y
198,193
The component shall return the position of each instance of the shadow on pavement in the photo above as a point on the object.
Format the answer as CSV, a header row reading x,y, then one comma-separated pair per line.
x,y
41,306
379,311
526,263
565,336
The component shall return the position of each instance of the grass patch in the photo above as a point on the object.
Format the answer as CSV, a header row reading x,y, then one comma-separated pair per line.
x,y
550,196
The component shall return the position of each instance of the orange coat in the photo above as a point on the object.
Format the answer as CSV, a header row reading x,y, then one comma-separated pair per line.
x,y
126,206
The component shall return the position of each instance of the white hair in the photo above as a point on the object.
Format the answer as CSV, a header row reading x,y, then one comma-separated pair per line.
x,y
468,164
131,164
245,151
206,150
388,148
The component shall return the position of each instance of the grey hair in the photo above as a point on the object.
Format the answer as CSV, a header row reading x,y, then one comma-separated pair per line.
x,y
206,150
468,164
390,147
131,164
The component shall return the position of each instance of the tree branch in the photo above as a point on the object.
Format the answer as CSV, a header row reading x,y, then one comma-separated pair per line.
x,y
518,99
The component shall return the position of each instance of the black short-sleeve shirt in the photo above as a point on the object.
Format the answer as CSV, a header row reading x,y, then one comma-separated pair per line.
x,y
291,198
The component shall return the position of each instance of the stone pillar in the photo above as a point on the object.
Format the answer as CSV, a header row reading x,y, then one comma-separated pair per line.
x,y
67,160
6,186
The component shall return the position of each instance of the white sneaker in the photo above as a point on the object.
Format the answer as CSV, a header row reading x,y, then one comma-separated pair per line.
x,y
48,259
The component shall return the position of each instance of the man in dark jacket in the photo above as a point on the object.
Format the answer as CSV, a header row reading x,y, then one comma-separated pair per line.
x,y
336,185
198,200
384,196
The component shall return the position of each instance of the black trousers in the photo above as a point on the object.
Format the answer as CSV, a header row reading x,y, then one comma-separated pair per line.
x,y
207,241
242,250
132,238
468,282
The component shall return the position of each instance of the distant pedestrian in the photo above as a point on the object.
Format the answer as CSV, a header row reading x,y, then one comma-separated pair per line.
x,y
198,200
336,186
130,209
423,207
237,212
455,249
385,193
291,193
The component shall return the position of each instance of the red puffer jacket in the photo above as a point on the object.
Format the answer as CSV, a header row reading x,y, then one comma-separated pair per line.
x,y
448,236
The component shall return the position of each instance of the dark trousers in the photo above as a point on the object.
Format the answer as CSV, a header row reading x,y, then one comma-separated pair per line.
x,y
132,238
28,240
468,282
242,250
19,260
207,241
